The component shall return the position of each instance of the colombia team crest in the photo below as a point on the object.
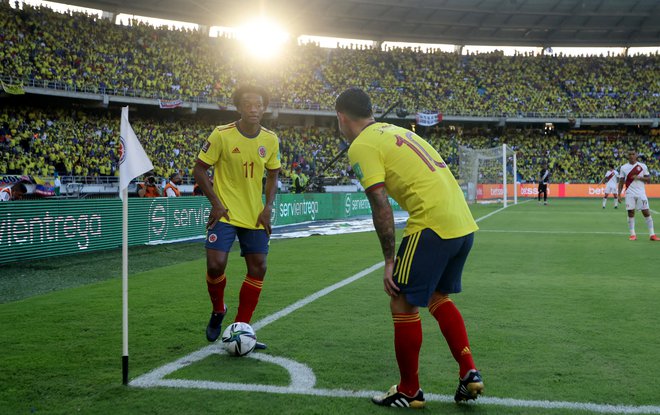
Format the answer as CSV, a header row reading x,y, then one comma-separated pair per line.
x,y
213,237
262,151
122,150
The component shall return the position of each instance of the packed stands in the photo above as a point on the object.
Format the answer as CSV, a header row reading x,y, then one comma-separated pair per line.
x,y
75,142
79,142
44,48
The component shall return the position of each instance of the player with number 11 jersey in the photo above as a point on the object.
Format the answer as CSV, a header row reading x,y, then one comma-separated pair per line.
x,y
240,161
240,153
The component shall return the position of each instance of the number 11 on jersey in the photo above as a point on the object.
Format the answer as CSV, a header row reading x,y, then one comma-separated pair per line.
x,y
251,169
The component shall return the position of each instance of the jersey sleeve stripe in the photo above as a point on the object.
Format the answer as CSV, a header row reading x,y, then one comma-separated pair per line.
x,y
374,186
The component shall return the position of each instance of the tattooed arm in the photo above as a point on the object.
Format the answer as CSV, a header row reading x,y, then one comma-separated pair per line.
x,y
384,223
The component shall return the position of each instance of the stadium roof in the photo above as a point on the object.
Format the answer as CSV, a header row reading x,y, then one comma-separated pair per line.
x,y
464,22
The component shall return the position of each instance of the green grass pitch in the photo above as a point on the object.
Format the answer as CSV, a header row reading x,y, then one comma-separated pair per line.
x,y
558,304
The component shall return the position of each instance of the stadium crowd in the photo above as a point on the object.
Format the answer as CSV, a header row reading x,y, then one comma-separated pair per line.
x,y
41,46
38,141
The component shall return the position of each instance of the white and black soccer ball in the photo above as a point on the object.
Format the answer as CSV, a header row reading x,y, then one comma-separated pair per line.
x,y
239,339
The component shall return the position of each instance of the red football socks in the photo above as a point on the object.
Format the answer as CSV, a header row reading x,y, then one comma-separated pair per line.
x,y
453,328
407,343
216,287
248,298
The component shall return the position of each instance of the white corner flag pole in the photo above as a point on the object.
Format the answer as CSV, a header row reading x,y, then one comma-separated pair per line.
x,y
124,286
133,162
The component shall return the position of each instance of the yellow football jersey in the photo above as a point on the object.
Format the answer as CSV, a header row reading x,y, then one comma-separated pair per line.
x,y
239,162
415,176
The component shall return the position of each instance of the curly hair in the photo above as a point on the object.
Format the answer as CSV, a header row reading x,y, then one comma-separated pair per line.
x,y
250,89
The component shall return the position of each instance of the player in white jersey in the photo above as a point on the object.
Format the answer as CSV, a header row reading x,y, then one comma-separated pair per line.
x,y
634,175
611,185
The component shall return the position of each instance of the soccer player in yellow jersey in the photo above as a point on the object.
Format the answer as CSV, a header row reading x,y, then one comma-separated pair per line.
x,y
391,160
240,152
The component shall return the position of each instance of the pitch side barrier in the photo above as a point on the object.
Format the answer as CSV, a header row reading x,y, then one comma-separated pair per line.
x,y
46,228
561,190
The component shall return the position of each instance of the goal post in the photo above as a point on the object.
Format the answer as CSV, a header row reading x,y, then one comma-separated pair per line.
x,y
488,174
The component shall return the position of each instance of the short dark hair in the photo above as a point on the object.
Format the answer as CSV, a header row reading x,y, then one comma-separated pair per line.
x,y
354,102
247,89
173,175
20,187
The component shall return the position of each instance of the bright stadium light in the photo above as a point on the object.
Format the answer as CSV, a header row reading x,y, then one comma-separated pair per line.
x,y
262,38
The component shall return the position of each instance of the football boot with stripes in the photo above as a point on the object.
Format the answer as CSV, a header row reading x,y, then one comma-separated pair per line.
x,y
470,387
396,399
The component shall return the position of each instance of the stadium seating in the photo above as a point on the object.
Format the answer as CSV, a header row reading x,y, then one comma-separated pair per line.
x,y
43,47
74,142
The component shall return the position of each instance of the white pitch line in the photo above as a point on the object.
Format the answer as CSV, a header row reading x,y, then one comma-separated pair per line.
x,y
479,219
301,303
552,232
572,406
431,397
303,378
156,375
490,214
159,373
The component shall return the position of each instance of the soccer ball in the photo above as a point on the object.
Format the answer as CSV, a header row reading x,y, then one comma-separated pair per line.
x,y
239,339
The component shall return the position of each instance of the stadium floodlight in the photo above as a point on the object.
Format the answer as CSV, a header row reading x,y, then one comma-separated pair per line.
x,y
488,174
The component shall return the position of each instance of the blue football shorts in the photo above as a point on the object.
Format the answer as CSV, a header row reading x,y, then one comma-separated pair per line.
x,y
221,237
426,263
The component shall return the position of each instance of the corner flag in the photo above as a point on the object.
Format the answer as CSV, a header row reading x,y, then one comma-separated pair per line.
x,y
133,161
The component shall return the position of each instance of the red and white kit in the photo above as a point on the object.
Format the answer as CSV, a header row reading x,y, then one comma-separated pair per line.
x,y
635,189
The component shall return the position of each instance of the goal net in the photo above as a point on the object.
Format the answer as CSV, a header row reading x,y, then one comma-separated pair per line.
x,y
488,174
